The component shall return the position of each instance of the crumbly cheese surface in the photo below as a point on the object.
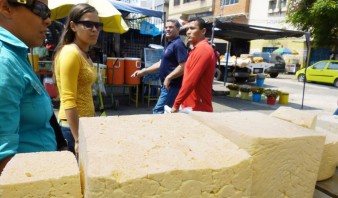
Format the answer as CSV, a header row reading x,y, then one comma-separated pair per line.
x,y
330,155
168,155
43,174
326,124
286,157
306,119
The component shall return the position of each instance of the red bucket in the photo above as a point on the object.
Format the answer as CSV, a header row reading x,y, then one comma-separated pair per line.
x,y
131,65
115,70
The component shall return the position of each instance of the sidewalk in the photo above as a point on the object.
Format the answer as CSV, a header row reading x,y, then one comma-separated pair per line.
x,y
221,103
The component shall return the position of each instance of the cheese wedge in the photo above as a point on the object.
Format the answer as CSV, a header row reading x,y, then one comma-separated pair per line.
x,y
330,155
327,124
296,116
43,174
168,155
286,157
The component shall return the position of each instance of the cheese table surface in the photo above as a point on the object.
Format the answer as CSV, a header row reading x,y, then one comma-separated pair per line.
x,y
329,186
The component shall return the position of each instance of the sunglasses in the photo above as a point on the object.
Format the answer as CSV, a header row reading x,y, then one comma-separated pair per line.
x,y
40,9
90,25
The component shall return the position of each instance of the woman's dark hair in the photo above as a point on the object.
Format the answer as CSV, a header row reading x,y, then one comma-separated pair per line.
x,y
201,23
75,14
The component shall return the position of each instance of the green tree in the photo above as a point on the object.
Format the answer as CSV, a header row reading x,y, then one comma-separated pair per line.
x,y
319,17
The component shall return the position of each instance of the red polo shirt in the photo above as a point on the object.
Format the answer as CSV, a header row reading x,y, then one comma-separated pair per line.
x,y
196,90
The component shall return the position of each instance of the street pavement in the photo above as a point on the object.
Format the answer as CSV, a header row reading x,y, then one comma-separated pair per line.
x,y
222,102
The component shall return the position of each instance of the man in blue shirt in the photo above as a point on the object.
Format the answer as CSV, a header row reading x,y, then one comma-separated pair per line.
x,y
170,66
25,107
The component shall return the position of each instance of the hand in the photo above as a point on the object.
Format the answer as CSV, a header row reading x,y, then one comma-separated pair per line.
x,y
76,148
174,110
137,73
166,83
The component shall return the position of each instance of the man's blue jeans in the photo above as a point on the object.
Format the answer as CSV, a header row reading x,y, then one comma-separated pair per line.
x,y
167,97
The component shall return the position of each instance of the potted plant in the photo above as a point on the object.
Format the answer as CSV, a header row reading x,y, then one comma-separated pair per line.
x,y
233,89
257,93
271,95
245,90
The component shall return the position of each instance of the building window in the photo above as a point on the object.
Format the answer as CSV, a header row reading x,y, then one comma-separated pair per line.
x,y
188,1
283,3
272,5
228,2
177,2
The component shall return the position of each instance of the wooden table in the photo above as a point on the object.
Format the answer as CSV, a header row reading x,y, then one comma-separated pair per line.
x,y
329,186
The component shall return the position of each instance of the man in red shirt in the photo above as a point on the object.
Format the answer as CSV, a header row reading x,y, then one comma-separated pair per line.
x,y
196,90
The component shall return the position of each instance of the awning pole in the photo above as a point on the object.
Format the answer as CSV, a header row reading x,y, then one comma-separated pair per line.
x,y
226,63
308,52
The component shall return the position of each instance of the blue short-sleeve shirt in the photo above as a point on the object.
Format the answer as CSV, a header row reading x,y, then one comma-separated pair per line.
x,y
25,106
172,55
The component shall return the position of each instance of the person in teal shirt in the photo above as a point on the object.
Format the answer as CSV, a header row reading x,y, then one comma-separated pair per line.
x,y
25,107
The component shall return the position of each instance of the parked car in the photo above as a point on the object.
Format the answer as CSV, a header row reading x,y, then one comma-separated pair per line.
x,y
325,71
276,59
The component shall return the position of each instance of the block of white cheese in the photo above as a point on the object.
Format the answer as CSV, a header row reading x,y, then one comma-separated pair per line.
x,y
286,157
42,174
329,160
323,123
328,122
303,118
168,155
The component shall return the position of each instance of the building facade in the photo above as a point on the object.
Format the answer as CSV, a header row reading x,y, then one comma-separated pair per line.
x,y
232,10
183,9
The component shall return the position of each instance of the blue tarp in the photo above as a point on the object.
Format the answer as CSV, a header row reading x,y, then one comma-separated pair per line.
x,y
126,8
149,29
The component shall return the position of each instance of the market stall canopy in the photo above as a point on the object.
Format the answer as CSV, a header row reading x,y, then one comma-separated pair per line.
x,y
109,15
230,30
126,8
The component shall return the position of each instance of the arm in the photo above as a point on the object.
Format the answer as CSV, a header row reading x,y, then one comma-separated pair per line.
x,y
10,100
155,67
70,65
73,121
178,71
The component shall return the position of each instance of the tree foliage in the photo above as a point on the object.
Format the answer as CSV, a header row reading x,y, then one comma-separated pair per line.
x,y
319,17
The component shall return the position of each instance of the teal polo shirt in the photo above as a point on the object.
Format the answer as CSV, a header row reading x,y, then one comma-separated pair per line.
x,y
25,106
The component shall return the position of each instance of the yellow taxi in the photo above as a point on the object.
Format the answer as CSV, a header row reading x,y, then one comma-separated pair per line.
x,y
325,71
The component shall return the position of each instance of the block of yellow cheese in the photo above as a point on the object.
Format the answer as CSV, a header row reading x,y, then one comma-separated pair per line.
x,y
324,124
43,174
168,155
328,122
303,118
286,157
329,160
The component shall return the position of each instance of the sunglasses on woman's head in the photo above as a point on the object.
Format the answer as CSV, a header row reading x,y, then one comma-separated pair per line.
x,y
90,25
38,8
